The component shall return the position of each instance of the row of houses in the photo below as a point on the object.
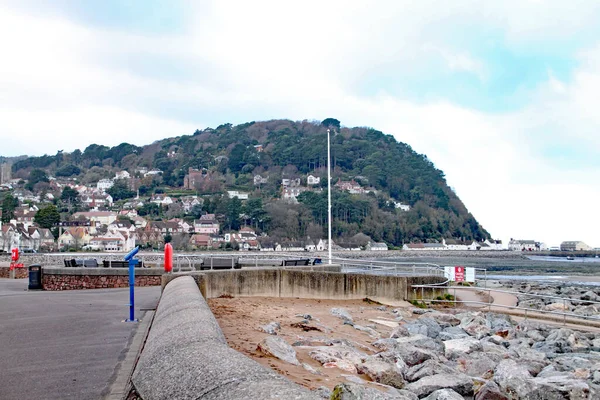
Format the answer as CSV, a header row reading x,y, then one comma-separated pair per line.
x,y
456,244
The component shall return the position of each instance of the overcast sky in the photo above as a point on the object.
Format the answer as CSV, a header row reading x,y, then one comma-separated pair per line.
x,y
503,96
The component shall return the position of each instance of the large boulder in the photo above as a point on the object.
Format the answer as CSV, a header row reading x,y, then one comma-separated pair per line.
x,y
382,372
561,387
452,332
457,347
444,394
342,313
444,320
514,379
427,368
477,365
353,391
276,347
336,354
490,391
475,325
399,331
460,383
425,326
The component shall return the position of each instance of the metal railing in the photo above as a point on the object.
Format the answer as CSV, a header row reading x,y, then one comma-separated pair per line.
x,y
395,268
526,311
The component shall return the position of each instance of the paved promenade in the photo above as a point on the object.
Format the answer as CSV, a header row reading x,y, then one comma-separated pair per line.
x,y
65,345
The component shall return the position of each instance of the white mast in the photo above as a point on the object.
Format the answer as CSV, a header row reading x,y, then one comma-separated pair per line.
x,y
329,195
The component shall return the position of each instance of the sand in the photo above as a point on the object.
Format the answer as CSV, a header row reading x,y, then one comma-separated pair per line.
x,y
240,319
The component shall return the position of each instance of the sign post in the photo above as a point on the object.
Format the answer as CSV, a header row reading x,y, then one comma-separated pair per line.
x,y
130,258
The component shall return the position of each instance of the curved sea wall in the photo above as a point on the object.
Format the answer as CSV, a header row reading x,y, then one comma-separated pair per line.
x,y
186,356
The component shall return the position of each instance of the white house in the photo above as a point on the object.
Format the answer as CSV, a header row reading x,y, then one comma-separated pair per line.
x,y
313,180
523,245
371,246
162,199
493,244
291,193
104,184
259,180
122,175
403,207
290,182
239,195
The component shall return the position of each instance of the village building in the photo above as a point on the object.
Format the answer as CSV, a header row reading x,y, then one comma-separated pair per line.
x,y
574,245
313,180
523,245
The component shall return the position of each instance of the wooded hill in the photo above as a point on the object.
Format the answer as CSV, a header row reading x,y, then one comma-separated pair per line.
x,y
231,156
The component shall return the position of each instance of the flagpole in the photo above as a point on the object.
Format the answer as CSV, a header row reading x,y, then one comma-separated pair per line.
x,y
329,195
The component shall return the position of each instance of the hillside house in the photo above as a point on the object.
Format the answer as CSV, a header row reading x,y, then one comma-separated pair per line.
x,y
351,187
122,175
206,226
313,180
234,193
161,199
292,193
74,238
97,217
259,180
104,184
290,182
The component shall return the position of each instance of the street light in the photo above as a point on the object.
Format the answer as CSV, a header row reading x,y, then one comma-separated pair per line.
x,y
329,195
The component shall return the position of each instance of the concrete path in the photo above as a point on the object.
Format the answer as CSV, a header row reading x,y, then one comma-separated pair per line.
x,y
64,345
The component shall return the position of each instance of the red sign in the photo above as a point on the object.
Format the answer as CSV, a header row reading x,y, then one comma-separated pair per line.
x,y
15,254
459,274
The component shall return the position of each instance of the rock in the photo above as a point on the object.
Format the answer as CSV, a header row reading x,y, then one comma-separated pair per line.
x,y
475,325
561,387
399,331
460,383
271,328
444,394
381,308
427,368
329,354
589,295
558,307
452,332
310,369
344,365
307,317
578,342
456,347
323,392
432,327
382,372
276,347
490,391
535,335
342,313
499,340
445,319
353,391
478,365
514,379
416,340
499,322
370,331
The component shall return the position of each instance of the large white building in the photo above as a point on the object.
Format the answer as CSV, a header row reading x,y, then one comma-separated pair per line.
x,y
104,184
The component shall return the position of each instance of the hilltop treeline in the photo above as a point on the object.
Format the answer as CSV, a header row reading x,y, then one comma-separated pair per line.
x,y
231,156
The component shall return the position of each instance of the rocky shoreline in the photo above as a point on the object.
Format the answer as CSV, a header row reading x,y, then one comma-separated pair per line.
x,y
445,354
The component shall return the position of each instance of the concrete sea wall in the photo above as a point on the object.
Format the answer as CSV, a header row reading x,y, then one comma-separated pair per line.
x,y
186,356
316,284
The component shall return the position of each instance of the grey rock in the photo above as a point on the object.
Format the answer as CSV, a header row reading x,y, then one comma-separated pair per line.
x,y
490,391
445,319
381,308
381,372
535,335
353,391
475,325
399,331
370,331
331,354
342,313
433,327
311,369
420,311
276,347
514,379
414,328
460,383
477,365
457,347
444,394
589,295
452,332
323,392
561,387
271,328
427,368
499,322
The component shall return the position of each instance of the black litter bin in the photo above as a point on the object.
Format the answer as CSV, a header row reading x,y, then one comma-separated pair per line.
x,y
35,277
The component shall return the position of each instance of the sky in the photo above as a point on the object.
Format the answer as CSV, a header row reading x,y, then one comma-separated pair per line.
x,y
500,95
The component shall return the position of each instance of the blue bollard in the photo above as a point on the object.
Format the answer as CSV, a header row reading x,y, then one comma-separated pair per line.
x,y
132,263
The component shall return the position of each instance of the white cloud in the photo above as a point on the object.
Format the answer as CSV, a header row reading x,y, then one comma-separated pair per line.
x,y
64,86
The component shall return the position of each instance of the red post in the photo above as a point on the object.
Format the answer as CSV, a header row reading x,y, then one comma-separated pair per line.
x,y
168,257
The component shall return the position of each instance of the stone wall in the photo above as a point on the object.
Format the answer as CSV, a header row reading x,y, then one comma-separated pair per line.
x,y
88,278
186,356
17,273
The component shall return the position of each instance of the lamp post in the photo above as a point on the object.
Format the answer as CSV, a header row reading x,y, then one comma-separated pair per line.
x,y
329,195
